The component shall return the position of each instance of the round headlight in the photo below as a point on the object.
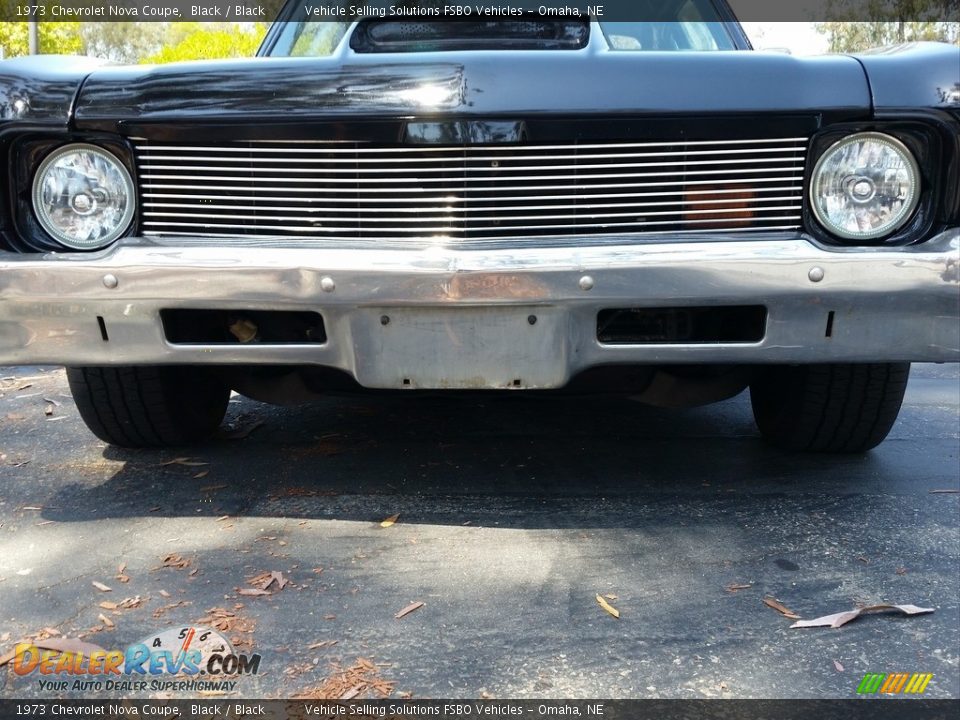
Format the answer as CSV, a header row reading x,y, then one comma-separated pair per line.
x,y
865,187
83,197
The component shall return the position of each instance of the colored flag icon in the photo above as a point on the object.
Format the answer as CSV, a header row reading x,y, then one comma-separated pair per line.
x,y
894,683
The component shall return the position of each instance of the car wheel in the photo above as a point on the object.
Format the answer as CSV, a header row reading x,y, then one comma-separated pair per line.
x,y
150,406
828,408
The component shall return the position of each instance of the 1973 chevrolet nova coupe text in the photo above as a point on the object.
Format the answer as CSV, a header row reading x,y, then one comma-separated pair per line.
x,y
533,204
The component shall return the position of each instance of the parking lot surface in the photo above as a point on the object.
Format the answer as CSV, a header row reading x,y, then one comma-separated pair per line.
x,y
514,513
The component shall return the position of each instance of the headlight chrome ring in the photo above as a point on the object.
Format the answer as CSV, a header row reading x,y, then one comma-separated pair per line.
x,y
865,186
83,196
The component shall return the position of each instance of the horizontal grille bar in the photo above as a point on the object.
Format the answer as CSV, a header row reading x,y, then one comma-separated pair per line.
x,y
479,168
418,201
406,161
441,209
357,191
442,216
359,149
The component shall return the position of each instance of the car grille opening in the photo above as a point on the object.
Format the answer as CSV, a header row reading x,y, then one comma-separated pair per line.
x,y
682,325
475,193
186,326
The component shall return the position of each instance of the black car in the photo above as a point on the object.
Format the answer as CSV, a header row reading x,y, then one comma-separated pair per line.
x,y
527,204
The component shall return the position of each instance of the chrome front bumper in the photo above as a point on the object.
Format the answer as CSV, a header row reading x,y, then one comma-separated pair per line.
x,y
888,305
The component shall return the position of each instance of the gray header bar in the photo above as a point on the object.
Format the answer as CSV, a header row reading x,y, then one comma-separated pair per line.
x,y
345,10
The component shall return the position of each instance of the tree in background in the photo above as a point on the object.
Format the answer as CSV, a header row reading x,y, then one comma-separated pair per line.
x,y
61,38
206,41
892,22
123,42
132,42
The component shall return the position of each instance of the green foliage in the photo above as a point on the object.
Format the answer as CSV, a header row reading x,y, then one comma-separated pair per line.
x,y
123,42
892,22
207,41
133,42
60,38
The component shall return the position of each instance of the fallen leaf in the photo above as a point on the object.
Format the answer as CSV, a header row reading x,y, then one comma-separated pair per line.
x,y
279,579
322,644
131,602
353,682
390,521
120,568
772,603
201,474
901,571
409,609
105,620
48,410
161,611
108,605
838,619
212,488
101,587
53,632
838,666
164,593
185,461
611,596
123,578
329,617
944,492
608,607
253,592
734,587
175,561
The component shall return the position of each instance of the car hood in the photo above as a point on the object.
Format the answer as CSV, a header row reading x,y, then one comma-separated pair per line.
x,y
475,83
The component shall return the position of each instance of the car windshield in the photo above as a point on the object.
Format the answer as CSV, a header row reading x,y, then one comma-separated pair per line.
x,y
669,25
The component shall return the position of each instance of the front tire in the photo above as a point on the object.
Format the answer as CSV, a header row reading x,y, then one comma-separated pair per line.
x,y
149,406
828,408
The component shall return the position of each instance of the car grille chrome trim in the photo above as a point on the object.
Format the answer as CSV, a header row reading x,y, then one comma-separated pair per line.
x,y
355,191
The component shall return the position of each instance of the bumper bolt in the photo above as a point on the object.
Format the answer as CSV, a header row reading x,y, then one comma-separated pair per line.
x,y
384,319
327,284
586,283
815,274
110,281
532,319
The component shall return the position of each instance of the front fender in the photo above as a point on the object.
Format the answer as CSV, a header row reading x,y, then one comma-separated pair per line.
x,y
41,89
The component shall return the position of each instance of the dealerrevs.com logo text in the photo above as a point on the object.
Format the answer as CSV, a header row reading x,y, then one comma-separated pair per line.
x,y
184,659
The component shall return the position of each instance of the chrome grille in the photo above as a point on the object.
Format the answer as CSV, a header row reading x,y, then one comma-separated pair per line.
x,y
358,191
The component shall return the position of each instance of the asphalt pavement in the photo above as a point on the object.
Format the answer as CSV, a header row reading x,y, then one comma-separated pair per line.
x,y
514,513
